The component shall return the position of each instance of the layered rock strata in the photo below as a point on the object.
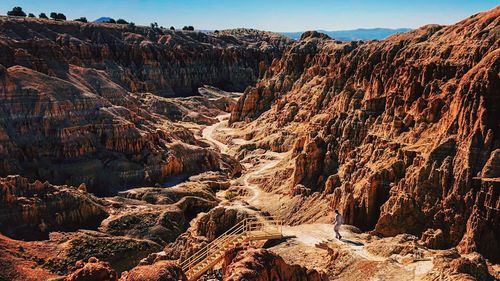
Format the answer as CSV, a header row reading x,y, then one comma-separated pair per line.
x,y
70,111
141,59
30,211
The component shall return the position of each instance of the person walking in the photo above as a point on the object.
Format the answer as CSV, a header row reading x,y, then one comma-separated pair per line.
x,y
336,224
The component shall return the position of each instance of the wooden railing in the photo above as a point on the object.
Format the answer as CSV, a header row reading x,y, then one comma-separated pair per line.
x,y
261,228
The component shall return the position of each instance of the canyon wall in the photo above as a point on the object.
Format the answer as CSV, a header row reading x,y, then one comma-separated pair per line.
x,y
69,108
141,59
401,135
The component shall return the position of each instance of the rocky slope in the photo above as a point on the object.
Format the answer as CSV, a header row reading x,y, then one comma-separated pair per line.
x,y
48,230
70,109
400,135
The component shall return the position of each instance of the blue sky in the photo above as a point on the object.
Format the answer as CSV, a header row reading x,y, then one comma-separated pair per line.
x,y
274,15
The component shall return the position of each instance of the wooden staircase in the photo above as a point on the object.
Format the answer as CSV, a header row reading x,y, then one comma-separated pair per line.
x,y
262,228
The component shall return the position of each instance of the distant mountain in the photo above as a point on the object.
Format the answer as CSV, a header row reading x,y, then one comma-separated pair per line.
x,y
354,34
104,19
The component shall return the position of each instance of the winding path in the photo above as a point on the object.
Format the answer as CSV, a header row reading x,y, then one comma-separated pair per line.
x,y
208,133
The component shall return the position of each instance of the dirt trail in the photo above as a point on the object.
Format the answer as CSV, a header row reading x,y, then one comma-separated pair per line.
x,y
267,161
307,240
208,133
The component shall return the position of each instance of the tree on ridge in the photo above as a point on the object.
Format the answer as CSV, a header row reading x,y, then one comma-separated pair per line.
x,y
82,19
57,16
16,12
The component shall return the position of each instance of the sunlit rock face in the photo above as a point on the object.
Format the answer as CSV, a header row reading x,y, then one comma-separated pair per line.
x,y
161,271
400,134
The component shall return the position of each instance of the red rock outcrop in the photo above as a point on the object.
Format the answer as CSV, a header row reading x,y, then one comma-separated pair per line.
x,y
262,265
159,271
31,210
93,270
450,265
403,132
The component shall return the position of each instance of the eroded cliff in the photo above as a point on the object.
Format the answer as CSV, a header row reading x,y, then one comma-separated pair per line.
x,y
399,134
71,110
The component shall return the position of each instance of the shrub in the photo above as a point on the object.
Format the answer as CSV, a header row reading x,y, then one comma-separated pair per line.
x,y
57,16
131,25
82,19
230,194
30,15
43,16
154,25
172,28
121,21
16,12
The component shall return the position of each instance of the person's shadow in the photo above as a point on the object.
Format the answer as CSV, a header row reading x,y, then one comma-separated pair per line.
x,y
273,242
350,242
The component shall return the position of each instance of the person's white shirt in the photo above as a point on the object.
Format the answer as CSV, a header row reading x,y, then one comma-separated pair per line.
x,y
338,219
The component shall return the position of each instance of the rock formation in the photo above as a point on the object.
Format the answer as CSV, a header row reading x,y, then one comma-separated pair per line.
x,y
68,134
158,214
401,133
261,265
68,225
141,59
205,229
159,271
93,270
31,210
